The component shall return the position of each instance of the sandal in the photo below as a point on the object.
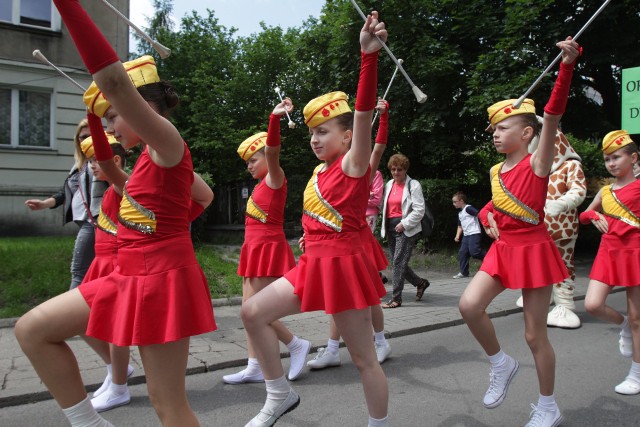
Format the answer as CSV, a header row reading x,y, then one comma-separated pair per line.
x,y
392,304
421,288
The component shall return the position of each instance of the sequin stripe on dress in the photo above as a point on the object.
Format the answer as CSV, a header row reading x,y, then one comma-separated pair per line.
x,y
613,207
318,208
507,203
135,216
106,224
254,211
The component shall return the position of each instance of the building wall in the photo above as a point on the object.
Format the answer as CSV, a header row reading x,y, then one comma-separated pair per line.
x,y
37,172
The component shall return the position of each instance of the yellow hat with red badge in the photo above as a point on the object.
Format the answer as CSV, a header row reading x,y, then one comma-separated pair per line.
x,y
503,109
325,107
615,140
252,145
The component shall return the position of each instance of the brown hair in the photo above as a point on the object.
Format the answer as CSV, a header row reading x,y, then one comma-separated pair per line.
x,y
398,160
162,95
345,120
531,120
461,196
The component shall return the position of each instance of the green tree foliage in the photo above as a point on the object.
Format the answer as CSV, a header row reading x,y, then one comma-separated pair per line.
x,y
464,54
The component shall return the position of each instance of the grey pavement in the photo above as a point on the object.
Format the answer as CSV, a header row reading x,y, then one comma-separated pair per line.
x,y
226,347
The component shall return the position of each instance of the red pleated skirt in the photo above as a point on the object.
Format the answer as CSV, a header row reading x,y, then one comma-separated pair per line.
x,y
265,252
336,274
373,248
525,259
157,294
105,261
617,262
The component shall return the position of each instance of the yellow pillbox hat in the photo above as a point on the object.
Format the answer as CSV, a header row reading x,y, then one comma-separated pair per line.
x,y
87,145
142,71
503,109
325,107
251,145
615,140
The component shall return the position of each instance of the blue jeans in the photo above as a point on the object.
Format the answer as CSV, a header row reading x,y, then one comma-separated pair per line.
x,y
83,253
469,247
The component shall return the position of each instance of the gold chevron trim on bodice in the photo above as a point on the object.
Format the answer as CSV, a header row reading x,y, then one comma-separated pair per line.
x,y
318,208
254,211
613,207
135,216
106,224
504,201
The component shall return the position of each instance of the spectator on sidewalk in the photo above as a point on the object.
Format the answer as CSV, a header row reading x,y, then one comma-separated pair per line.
x,y
469,234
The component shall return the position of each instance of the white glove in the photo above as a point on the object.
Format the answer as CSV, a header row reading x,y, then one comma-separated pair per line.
x,y
553,208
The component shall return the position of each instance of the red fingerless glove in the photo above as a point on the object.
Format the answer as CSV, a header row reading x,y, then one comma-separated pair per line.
x,y
195,210
484,213
94,49
383,127
368,82
560,94
101,147
273,133
587,216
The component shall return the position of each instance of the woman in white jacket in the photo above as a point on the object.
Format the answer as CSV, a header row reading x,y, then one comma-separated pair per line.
x,y
402,210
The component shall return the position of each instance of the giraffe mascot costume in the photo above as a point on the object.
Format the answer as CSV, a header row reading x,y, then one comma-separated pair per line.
x,y
567,190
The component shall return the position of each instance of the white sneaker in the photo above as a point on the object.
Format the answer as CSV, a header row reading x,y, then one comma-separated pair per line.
x,y
499,380
383,350
107,382
244,376
543,418
625,345
629,387
520,302
324,359
460,276
267,418
562,317
298,357
109,400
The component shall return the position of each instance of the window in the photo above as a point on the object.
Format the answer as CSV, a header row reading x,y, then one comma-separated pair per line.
x,y
25,118
37,13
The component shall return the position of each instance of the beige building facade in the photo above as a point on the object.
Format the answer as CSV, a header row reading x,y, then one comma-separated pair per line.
x,y
39,109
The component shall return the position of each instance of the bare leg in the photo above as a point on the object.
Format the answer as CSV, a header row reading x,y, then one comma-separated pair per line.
x,y
100,347
120,364
165,366
258,313
355,327
377,318
333,330
41,334
536,302
633,312
473,306
595,303
250,287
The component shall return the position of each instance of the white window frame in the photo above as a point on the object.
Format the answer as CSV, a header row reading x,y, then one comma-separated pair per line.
x,y
15,119
55,17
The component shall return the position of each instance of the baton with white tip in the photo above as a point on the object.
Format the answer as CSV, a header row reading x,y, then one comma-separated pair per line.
x,y
386,92
520,100
420,96
292,124
163,51
40,57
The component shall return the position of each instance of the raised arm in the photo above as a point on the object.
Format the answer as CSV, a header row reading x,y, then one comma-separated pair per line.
x,y
381,138
111,78
542,159
275,175
356,161
104,154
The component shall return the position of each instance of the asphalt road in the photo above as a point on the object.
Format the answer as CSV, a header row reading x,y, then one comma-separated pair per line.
x,y
435,379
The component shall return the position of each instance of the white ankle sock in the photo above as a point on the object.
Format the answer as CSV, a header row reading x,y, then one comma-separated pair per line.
x,y
547,402
84,415
634,372
294,343
498,359
253,366
277,392
382,422
625,327
118,389
379,337
109,369
333,346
